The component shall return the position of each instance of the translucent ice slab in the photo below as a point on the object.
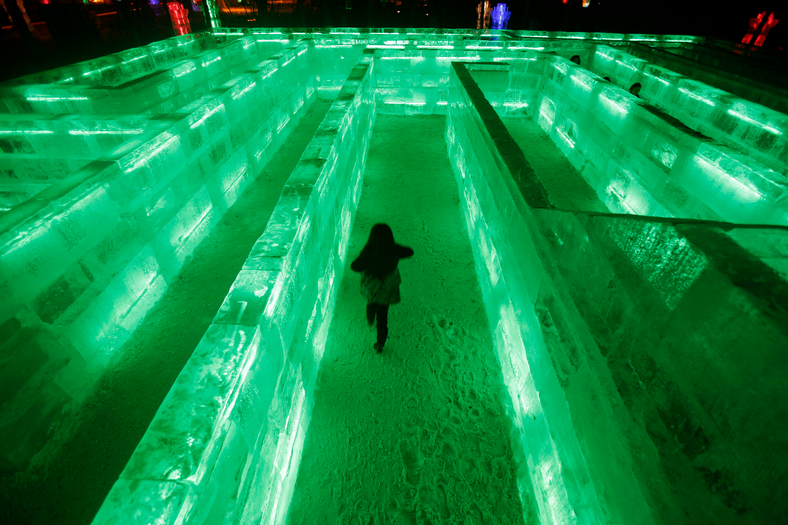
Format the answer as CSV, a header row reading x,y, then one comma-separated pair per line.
x,y
639,159
615,334
233,424
750,128
156,88
92,248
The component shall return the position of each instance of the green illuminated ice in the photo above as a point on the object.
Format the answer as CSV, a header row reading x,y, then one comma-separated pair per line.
x,y
628,302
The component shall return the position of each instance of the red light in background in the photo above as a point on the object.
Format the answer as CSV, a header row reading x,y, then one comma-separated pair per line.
x,y
180,18
770,23
754,23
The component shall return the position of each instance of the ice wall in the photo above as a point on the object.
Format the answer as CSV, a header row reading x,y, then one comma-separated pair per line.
x,y
751,129
550,464
639,159
93,229
766,92
225,445
622,342
122,202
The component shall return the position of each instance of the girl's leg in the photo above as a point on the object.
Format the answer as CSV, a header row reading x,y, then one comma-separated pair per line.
x,y
383,323
371,308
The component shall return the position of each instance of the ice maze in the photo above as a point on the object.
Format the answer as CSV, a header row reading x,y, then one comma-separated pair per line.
x,y
640,331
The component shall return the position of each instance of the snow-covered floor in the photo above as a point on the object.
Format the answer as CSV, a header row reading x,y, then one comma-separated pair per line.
x,y
566,186
417,434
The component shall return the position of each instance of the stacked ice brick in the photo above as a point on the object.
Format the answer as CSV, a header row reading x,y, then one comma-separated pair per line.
x,y
752,129
413,65
643,356
749,74
642,160
564,291
413,69
125,169
552,475
225,445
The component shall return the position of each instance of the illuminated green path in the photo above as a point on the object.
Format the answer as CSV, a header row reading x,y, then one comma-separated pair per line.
x,y
417,434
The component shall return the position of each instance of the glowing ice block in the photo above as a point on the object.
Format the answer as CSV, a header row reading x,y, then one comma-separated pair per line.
x,y
243,401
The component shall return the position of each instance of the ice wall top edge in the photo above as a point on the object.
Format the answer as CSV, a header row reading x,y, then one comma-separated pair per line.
x,y
524,180
475,34
494,34
211,114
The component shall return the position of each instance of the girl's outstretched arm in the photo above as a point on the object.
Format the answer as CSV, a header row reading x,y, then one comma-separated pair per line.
x,y
404,251
360,264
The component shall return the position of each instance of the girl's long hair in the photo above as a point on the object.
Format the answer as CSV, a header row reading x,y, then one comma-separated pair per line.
x,y
380,250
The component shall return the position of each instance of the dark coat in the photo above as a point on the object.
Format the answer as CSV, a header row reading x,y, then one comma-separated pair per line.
x,y
380,278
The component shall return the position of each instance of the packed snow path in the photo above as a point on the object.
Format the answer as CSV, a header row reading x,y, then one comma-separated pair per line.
x,y
417,434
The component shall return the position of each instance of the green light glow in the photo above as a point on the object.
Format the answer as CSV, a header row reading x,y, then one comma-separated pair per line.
x,y
753,121
43,98
149,157
697,97
26,132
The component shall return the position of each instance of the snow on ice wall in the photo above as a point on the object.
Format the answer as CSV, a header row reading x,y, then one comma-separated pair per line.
x,y
643,356
225,445
118,203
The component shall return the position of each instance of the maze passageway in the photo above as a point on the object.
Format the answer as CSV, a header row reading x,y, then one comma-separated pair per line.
x,y
77,476
417,434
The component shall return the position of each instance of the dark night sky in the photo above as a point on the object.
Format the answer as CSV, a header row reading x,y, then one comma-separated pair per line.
x,y
721,18
727,19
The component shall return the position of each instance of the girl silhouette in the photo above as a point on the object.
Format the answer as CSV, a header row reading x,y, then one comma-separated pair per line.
x,y
380,278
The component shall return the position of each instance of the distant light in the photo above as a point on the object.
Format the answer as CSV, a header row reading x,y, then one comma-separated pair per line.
x,y
500,16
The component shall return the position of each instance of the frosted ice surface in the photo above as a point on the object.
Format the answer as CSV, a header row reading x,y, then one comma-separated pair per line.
x,y
180,442
215,108
163,501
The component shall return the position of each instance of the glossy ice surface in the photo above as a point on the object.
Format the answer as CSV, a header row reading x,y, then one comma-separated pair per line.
x,y
615,331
